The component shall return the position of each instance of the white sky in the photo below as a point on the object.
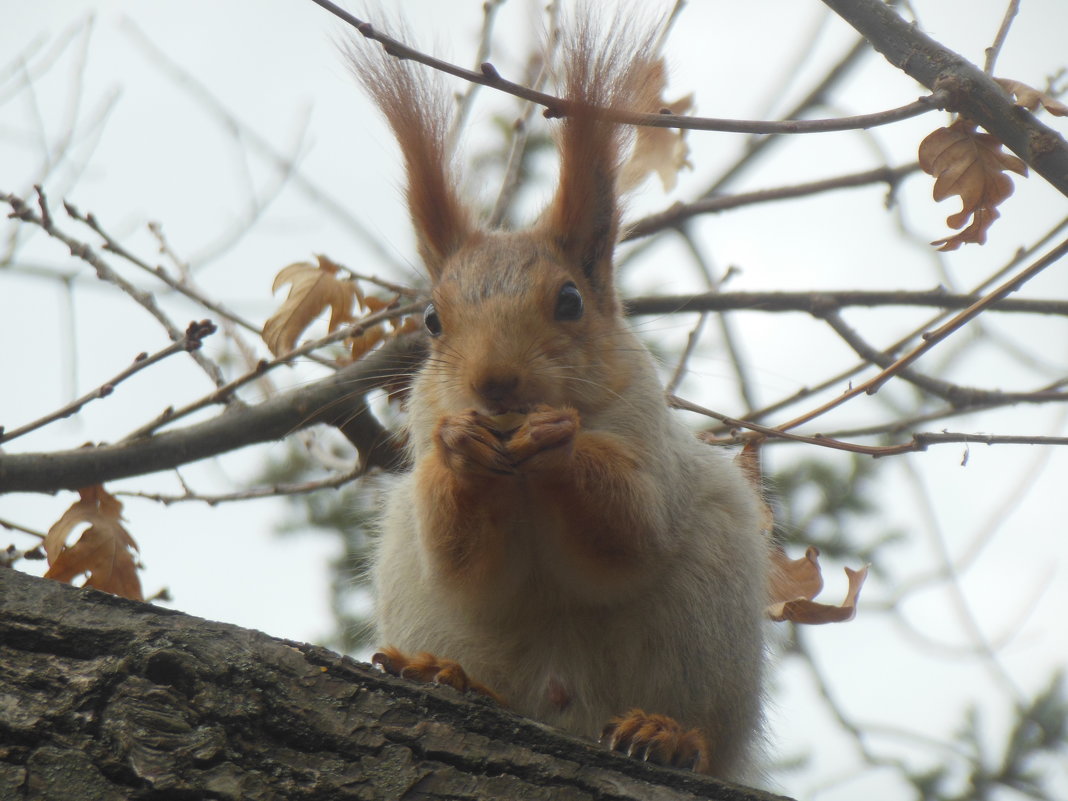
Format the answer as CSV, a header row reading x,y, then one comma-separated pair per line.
x,y
161,156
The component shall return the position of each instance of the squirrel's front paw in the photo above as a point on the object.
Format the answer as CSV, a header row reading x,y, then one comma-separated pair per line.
x,y
544,441
470,443
658,739
428,669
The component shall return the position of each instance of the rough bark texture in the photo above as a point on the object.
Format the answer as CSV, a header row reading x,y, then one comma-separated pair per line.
x,y
103,699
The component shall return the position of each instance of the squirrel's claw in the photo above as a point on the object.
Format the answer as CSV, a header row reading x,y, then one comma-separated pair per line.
x,y
658,739
426,668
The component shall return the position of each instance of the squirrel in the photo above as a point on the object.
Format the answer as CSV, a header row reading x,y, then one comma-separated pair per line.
x,y
562,543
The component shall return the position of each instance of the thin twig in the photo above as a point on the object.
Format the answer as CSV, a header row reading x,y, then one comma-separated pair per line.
x,y
193,339
819,303
82,251
681,365
932,338
919,442
965,613
466,100
113,246
679,213
726,328
540,64
16,527
994,50
225,392
958,396
272,491
836,380
335,208
558,107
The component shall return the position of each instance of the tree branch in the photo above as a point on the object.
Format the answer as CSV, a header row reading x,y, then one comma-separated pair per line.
x,y
330,401
191,340
932,338
558,107
819,303
971,92
337,400
116,699
681,212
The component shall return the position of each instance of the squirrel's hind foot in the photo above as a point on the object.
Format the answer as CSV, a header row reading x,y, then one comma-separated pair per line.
x,y
428,669
658,739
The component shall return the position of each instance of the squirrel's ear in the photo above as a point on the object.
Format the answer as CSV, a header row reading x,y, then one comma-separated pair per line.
x,y
417,109
613,73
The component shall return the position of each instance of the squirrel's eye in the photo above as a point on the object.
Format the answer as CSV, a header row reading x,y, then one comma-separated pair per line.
x,y
432,321
568,303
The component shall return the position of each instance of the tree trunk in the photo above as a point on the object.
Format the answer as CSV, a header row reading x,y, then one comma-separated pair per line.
x,y
103,699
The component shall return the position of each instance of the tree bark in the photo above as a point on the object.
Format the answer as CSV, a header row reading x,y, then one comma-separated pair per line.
x,y
103,699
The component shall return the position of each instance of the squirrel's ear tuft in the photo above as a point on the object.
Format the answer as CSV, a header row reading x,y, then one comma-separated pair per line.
x,y
602,70
417,108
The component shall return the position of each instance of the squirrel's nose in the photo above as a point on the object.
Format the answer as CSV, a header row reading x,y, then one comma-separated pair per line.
x,y
498,391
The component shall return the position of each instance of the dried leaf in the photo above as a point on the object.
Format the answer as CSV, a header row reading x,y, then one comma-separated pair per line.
x,y
405,325
660,150
360,346
1031,98
375,305
808,612
313,288
972,165
792,579
794,583
104,550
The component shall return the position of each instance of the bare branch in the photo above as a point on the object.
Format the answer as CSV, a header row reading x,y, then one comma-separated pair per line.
x,y
334,207
820,303
273,491
972,92
329,401
681,212
558,107
104,271
193,339
225,392
932,338
994,50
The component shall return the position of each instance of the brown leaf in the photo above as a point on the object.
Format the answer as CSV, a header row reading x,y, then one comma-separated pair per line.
x,y
360,346
104,550
792,579
1031,98
807,611
972,165
312,289
794,583
660,150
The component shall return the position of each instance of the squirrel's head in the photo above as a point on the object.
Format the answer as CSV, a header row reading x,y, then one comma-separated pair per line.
x,y
518,319
513,324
